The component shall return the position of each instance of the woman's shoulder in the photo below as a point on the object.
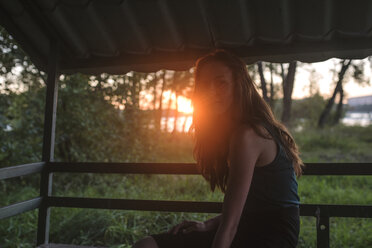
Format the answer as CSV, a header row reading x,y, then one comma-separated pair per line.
x,y
245,132
241,132
243,136
245,140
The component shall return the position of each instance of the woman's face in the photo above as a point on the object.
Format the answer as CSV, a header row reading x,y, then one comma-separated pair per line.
x,y
215,86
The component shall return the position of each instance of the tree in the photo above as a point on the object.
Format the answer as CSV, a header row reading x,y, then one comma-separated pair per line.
x,y
274,70
263,82
325,113
349,69
22,104
160,108
288,84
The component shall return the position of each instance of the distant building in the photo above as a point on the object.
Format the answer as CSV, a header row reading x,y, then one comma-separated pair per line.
x,y
361,100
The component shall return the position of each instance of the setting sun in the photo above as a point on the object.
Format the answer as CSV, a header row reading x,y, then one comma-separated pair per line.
x,y
184,105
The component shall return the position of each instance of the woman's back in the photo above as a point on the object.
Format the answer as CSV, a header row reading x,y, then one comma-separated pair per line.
x,y
274,185
270,217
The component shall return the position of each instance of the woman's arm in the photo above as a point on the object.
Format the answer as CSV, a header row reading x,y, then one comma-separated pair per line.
x,y
213,222
245,150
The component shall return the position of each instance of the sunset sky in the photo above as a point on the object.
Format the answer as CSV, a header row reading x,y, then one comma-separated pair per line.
x,y
324,80
326,83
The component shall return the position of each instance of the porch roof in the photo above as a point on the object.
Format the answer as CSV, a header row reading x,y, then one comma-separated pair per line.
x,y
117,36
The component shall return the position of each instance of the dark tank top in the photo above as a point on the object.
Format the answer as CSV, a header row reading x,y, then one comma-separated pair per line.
x,y
274,185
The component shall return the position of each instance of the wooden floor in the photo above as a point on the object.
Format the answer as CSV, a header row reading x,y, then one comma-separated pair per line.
x,y
51,245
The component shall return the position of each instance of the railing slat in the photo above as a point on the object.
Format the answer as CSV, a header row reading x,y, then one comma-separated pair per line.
x,y
335,210
191,168
362,211
130,204
19,207
167,168
125,168
345,169
21,170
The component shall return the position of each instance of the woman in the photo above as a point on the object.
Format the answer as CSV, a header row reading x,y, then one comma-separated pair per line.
x,y
242,149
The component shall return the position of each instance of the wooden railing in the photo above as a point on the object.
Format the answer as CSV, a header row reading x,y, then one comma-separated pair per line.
x,y
322,212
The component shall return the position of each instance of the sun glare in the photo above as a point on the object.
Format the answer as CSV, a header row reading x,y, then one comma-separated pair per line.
x,y
184,105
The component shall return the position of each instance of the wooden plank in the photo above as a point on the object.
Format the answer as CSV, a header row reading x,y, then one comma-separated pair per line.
x,y
334,210
20,207
21,170
53,245
345,169
305,51
191,168
331,210
130,204
322,231
322,234
48,141
125,168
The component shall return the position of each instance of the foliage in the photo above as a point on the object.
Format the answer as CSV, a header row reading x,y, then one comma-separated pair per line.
x,y
308,109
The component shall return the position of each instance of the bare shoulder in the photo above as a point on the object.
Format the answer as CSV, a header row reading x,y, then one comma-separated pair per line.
x,y
245,133
244,137
245,144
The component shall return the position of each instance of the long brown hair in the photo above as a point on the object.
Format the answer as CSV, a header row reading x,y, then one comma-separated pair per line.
x,y
253,111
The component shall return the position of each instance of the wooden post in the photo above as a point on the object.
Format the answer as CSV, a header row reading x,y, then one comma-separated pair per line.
x,y
48,142
322,230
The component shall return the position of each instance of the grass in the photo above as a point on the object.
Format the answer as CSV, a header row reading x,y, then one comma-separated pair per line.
x,y
123,228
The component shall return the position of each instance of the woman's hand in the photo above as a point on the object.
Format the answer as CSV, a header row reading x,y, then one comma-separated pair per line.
x,y
189,226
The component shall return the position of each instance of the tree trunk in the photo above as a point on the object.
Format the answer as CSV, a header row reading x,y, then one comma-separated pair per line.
x,y
132,111
288,84
271,100
184,123
339,106
154,93
176,115
155,83
167,113
159,111
135,90
263,82
324,115
170,102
